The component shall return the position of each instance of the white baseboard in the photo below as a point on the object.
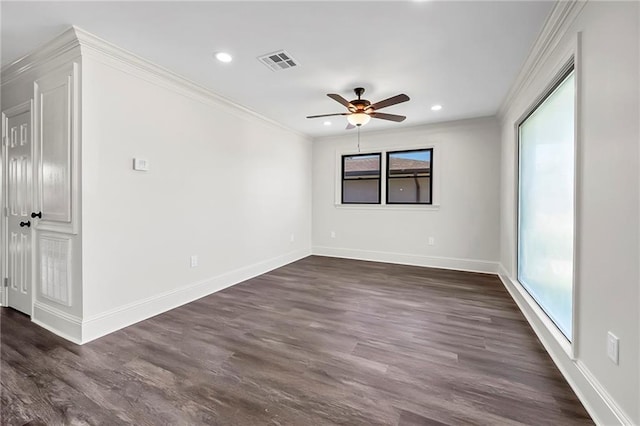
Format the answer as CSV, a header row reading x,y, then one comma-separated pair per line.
x,y
124,316
470,265
58,322
596,400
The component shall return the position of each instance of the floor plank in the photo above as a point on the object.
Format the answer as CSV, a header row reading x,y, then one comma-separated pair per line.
x,y
321,341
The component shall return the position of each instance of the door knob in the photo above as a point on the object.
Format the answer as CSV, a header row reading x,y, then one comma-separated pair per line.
x,y
38,215
27,224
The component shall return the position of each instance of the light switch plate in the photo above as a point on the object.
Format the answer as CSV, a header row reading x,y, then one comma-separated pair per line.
x,y
613,346
140,164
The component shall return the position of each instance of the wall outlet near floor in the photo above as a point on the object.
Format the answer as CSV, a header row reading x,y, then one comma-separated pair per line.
x,y
333,234
613,345
194,261
431,241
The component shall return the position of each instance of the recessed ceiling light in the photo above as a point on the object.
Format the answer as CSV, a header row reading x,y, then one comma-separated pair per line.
x,y
327,123
224,57
436,108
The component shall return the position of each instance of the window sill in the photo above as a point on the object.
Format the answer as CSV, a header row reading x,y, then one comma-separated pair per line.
x,y
407,207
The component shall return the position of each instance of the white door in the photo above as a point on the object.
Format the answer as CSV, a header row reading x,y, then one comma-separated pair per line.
x,y
19,202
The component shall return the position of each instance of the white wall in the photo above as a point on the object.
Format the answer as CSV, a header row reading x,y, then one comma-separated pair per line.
x,y
223,184
607,248
465,225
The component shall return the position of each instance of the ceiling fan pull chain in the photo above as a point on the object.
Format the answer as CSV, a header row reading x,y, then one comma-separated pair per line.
x,y
358,139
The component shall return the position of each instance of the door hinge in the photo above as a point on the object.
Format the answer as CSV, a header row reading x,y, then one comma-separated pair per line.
x,y
6,282
4,140
6,212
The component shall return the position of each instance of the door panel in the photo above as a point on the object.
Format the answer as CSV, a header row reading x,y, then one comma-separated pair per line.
x,y
19,185
56,100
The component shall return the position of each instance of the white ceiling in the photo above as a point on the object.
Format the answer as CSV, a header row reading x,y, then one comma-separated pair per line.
x,y
463,55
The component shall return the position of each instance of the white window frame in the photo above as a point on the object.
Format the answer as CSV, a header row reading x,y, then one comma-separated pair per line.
x,y
570,56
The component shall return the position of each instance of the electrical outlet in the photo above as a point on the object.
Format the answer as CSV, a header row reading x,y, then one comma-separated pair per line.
x,y
613,345
140,164
333,234
194,261
431,241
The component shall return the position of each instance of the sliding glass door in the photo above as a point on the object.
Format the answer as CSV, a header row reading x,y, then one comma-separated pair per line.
x,y
546,203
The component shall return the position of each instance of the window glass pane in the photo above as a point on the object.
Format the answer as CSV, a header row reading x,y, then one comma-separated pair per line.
x,y
409,177
361,179
409,190
546,210
360,191
361,166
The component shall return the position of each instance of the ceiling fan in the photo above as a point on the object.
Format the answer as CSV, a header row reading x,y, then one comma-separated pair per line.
x,y
361,110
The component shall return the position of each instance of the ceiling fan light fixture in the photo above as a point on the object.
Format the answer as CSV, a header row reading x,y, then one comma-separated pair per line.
x,y
358,118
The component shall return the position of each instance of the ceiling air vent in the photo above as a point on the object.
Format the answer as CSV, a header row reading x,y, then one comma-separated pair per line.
x,y
279,60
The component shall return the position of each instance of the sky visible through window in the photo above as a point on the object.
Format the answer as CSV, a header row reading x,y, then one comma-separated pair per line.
x,y
414,155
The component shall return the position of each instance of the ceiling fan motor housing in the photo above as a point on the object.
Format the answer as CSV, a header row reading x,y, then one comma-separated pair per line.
x,y
359,104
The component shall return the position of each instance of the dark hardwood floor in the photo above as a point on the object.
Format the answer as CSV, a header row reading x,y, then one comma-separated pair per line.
x,y
320,341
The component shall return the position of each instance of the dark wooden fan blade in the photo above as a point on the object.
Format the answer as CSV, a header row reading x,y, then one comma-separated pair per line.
x,y
340,99
327,115
398,99
391,117
350,126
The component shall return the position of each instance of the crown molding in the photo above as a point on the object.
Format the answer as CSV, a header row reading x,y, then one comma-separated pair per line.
x,y
106,52
58,46
562,15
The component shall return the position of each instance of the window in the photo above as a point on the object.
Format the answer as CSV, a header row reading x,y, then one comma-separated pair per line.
x,y
546,202
409,176
361,179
